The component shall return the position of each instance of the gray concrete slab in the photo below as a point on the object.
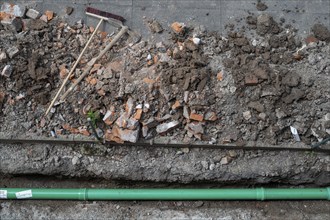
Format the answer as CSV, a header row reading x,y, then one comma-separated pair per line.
x,y
213,14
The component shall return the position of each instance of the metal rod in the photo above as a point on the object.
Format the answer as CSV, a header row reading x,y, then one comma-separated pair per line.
x,y
170,145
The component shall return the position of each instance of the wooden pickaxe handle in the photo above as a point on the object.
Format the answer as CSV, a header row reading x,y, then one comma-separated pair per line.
x,y
73,68
123,30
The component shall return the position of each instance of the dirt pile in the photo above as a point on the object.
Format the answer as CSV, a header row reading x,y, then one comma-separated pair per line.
x,y
198,86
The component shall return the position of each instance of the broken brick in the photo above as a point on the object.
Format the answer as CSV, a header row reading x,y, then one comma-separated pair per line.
x,y
177,27
196,117
220,76
93,81
138,114
49,14
176,105
148,81
63,72
124,135
251,80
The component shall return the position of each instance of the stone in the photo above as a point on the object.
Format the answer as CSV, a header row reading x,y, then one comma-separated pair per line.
x,y
2,96
156,27
185,112
178,27
164,58
12,51
31,13
256,106
295,95
13,10
232,153
210,116
247,115
291,79
196,128
205,164
212,166
49,14
145,130
129,107
251,80
165,127
7,71
150,123
262,116
126,134
225,160
75,160
132,124
3,56
69,10
196,117
44,18
196,40
280,114
261,73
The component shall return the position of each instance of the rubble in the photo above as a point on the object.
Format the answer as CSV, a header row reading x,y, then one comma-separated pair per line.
x,y
12,51
3,56
31,13
206,82
13,10
178,27
166,127
7,71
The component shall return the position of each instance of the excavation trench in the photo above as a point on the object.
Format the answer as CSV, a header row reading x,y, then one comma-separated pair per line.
x,y
168,165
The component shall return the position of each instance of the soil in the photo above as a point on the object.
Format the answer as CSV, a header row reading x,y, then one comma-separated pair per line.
x,y
256,83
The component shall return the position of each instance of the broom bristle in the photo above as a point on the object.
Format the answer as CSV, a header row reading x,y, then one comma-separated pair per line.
x,y
105,14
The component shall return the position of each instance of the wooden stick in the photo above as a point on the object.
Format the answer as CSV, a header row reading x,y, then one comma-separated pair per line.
x,y
73,68
123,30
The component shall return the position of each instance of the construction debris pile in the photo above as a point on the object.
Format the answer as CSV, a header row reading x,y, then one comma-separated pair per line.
x,y
198,86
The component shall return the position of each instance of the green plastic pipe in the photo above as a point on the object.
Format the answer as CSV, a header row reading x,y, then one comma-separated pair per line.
x,y
167,194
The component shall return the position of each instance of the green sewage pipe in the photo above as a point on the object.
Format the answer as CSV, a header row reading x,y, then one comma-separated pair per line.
x,y
167,194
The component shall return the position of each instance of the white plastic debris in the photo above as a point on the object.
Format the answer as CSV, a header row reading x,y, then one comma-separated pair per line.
x,y
149,57
295,133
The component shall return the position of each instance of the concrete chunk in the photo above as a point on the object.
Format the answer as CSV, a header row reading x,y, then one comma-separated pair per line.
x,y
12,51
14,10
31,13
165,127
7,70
3,56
